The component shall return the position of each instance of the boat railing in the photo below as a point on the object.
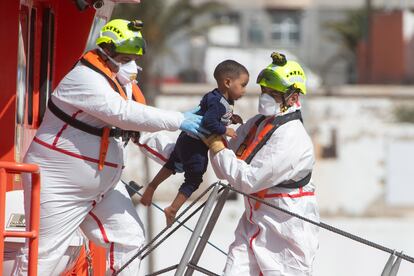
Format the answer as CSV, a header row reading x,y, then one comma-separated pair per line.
x,y
33,233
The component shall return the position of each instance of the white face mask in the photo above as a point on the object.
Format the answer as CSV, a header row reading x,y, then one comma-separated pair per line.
x,y
127,72
268,106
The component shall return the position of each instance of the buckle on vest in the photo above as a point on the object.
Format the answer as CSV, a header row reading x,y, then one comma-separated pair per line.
x,y
125,135
117,132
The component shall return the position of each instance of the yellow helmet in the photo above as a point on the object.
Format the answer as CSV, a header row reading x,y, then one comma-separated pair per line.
x,y
282,75
125,35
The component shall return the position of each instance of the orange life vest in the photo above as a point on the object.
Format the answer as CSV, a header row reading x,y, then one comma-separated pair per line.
x,y
94,61
250,146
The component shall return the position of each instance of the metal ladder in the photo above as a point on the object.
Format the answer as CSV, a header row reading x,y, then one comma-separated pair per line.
x,y
191,256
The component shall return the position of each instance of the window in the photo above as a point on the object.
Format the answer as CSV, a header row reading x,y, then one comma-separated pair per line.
x,y
22,67
330,151
255,32
285,27
46,62
30,83
399,173
226,32
21,81
231,18
271,28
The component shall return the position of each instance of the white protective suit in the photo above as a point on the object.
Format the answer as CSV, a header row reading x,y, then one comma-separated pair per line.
x,y
267,241
74,193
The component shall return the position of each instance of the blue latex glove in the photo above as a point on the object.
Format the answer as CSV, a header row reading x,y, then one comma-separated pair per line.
x,y
192,122
203,133
192,116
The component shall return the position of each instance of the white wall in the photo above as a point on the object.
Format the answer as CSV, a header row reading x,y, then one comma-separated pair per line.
x,y
352,188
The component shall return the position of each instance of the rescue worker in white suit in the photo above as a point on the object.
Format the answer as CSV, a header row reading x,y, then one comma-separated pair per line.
x,y
81,155
268,241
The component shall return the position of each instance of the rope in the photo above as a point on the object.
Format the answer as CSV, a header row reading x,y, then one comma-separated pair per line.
x,y
327,227
175,229
166,228
162,271
319,224
202,270
181,224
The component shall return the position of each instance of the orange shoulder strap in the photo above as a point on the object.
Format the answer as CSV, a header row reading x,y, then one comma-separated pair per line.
x,y
249,145
137,94
96,63
253,146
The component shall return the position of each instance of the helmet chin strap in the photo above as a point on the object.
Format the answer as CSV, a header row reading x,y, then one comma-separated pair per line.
x,y
112,64
285,107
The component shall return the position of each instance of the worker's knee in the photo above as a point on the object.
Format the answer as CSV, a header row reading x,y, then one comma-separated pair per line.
x,y
132,235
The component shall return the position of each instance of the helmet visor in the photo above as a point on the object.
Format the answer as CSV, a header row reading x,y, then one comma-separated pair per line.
x,y
134,45
271,79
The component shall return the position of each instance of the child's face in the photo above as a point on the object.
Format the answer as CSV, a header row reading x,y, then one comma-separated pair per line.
x,y
237,87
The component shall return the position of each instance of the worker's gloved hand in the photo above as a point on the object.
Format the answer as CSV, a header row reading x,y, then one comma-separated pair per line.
x,y
214,142
191,122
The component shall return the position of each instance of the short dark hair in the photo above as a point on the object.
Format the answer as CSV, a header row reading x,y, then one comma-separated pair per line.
x,y
229,69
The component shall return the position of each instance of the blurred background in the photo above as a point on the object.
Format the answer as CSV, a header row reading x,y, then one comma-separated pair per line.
x,y
359,111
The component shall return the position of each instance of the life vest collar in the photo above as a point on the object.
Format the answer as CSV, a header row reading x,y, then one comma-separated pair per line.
x,y
95,61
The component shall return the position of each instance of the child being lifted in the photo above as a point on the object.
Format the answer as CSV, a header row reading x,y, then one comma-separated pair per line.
x,y
216,107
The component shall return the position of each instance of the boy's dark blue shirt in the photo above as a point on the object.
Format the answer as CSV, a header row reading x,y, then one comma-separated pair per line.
x,y
191,151
216,111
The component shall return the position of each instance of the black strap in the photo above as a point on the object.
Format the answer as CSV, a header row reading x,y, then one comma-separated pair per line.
x,y
296,184
277,122
73,122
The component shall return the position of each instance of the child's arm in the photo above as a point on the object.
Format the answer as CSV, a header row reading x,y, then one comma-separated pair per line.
x,y
212,118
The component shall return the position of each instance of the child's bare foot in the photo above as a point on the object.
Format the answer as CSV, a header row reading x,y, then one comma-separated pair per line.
x,y
146,198
170,213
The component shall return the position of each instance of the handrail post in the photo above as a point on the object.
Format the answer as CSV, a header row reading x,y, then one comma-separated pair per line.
x,y
34,224
33,233
3,180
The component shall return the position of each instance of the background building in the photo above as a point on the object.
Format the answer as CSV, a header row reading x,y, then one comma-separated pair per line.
x,y
322,34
